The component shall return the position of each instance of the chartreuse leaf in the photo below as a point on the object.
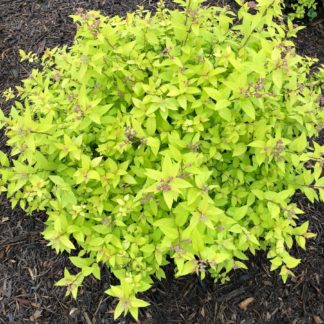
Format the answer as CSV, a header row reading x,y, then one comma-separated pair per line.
x,y
3,159
301,241
276,263
169,197
169,168
154,144
238,212
167,226
301,230
181,215
239,149
175,135
290,261
119,310
153,174
248,108
212,93
299,144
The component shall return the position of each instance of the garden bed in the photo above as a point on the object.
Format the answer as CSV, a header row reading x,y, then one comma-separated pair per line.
x,y
29,269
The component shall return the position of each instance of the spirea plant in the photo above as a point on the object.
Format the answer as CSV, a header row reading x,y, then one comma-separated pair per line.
x,y
304,8
179,136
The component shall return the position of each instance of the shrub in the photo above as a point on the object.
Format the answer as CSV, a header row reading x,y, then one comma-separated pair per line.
x,y
179,135
303,8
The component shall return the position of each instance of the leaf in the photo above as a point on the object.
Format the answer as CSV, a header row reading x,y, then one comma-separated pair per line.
x,y
277,78
175,153
135,302
151,38
284,273
179,183
248,108
226,114
169,169
238,212
182,100
4,159
285,194
181,216
310,194
151,126
134,312
276,263
309,235
239,149
23,55
148,249
221,104
301,241
167,226
168,197
153,174
96,161
58,181
188,267
94,175
301,230
66,242
258,193
192,195
290,261
68,198
115,291
274,210
259,144
79,262
96,271
96,241
154,144
118,310
79,236
212,93
129,179
197,241
236,228
86,271
173,91
299,144
221,257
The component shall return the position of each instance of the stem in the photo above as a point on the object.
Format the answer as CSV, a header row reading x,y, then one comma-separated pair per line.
x,y
109,43
309,186
187,12
186,22
250,34
43,133
314,186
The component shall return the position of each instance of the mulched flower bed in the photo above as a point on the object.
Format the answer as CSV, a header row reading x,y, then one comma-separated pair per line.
x,y
29,269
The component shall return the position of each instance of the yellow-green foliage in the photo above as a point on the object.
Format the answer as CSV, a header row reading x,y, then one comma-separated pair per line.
x,y
303,8
179,135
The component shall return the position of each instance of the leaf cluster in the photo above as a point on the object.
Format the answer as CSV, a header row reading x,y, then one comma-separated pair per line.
x,y
303,8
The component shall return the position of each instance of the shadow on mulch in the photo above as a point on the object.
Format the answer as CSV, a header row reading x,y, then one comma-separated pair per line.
x,y
29,269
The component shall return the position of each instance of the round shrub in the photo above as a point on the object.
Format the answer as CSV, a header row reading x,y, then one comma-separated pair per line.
x,y
181,135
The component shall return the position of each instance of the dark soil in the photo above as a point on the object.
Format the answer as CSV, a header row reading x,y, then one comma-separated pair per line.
x,y
29,269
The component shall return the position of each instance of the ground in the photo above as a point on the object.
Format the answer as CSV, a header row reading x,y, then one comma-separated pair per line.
x,y
29,269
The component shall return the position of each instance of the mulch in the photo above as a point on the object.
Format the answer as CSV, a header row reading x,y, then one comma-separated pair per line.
x,y
29,269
